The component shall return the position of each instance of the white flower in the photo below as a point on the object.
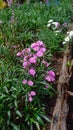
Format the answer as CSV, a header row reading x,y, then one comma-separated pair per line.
x,y
71,34
64,43
68,32
48,25
67,39
50,21
56,24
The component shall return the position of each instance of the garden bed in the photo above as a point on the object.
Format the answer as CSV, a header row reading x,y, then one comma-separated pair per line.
x,y
36,68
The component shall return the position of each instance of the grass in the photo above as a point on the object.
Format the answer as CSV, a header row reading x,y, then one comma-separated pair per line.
x,y
29,25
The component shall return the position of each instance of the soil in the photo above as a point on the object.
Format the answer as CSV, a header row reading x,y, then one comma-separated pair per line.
x,y
70,101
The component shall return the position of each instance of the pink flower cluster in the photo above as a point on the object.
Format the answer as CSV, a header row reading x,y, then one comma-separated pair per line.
x,y
29,82
39,47
32,58
31,95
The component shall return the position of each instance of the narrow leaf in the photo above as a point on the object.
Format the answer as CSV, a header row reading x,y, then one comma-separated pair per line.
x,y
37,125
18,113
44,117
15,126
38,118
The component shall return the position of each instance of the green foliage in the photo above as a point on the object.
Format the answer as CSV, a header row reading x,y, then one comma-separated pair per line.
x,y
29,25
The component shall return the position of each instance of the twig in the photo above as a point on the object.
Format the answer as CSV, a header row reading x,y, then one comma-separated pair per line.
x,y
70,93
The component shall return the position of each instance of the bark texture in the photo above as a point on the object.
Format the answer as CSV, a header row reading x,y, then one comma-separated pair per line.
x,y
61,107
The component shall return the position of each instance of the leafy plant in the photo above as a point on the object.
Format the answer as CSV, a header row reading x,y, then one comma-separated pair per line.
x,y
22,103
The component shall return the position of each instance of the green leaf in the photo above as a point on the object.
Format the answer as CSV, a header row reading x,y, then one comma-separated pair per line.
x,y
44,117
32,120
27,117
18,113
31,126
50,87
38,118
9,114
15,102
68,63
37,125
15,126
44,83
4,127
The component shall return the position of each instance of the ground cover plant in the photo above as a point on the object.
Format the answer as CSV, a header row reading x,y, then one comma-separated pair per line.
x,y
27,46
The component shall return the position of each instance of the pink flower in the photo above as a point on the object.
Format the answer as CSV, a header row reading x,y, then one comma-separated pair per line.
x,y
33,45
34,55
30,99
18,54
46,86
33,93
36,48
25,65
30,83
24,81
32,71
58,25
9,2
39,53
43,49
40,43
50,77
32,60
27,51
23,51
45,63
29,94
51,73
25,58
65,24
